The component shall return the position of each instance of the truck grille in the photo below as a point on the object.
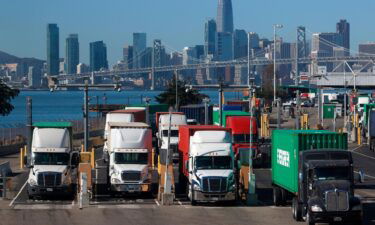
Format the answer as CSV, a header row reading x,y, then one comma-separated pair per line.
x,y
131,176
337,201
214,184
49,179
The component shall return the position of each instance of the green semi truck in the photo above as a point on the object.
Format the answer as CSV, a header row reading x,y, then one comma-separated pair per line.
x,y
314,169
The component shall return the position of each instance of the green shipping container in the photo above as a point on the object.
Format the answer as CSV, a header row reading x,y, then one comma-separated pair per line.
x,y
216,118
328,111
286,145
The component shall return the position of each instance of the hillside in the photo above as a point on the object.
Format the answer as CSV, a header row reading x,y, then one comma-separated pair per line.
x,y
7,58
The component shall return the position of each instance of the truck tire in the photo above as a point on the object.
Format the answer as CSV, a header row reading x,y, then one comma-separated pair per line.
x,y
276,196
296,209
309,220
284,196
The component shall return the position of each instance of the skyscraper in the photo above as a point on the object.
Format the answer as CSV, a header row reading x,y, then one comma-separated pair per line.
x,y
72,54
128,56
210,37
224,46
139,47
53,49
343,28
225,16
240,44
98,56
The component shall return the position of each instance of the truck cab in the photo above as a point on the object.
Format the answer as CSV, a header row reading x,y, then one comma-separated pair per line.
x,y
177,119
53,163
326,187
211,167
129,149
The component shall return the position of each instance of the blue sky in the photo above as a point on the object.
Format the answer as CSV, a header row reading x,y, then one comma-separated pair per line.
x,y
178,23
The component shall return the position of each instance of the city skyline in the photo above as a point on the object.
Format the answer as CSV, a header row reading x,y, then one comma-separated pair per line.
x,y
177,40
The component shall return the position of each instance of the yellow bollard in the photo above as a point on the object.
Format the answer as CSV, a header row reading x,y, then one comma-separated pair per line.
x,y
21,158
92,159
359,136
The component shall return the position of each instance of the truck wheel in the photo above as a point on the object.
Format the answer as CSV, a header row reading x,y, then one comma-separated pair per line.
x,y
276,196
296,209
284,196
309,220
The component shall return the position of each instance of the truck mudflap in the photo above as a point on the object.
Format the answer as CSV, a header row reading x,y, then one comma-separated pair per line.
x,y
65,190
330,217
214,197
131,188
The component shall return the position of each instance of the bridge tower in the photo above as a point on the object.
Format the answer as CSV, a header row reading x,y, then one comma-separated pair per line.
x,y
156,60
301,51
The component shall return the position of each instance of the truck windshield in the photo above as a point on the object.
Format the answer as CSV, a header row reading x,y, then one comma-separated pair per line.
x,y
131,158
244,138
213,162
174,133
327,173
51,158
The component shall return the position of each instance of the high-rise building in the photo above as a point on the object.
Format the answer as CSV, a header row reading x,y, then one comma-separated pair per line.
x,y
128,56
200,52
254,40
82,68
225,16
224,46
53,49
72,54
139,48
189,55
98,56
366,49
240,44
210,37
323,46
343,28
34,77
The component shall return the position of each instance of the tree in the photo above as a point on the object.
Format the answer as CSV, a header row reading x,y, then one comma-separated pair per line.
x,y
6,95
185,96
267,91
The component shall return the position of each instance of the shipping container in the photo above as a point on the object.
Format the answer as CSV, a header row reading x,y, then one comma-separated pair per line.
x,y
153,108
139,114
244,104
197,112
286,145
158,114
216,118
329,111
232,108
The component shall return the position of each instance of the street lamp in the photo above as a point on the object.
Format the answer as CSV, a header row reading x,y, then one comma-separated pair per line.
x,y
275,26
206,101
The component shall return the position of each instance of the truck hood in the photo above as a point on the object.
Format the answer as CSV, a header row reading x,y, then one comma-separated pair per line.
x,y
214,173
327,185
130,167
50,168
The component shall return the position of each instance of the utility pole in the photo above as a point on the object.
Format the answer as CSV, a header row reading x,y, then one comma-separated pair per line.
x,y
206,101
29,125
275,26
176,77
86,86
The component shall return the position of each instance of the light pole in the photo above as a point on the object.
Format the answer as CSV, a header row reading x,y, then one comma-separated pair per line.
x,y
275,26
176,77
206,101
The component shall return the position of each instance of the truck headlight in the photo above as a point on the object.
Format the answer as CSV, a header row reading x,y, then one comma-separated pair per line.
x,y
32,182
115,181
196,187
316,208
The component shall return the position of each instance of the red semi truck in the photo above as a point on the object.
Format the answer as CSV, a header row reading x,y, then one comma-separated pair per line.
x,y
241,133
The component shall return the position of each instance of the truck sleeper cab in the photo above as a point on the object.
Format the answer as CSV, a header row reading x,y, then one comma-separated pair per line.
x,y
53,164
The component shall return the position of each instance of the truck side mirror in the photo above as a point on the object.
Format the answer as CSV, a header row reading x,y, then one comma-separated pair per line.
x,y
361,176
75,160
25,160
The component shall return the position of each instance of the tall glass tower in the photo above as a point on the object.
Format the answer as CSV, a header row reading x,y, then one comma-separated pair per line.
x,y
53,61
72,54
225,16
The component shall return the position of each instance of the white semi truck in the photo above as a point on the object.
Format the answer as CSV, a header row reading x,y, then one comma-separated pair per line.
x,y
53,163
208,163
129,150
176,120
